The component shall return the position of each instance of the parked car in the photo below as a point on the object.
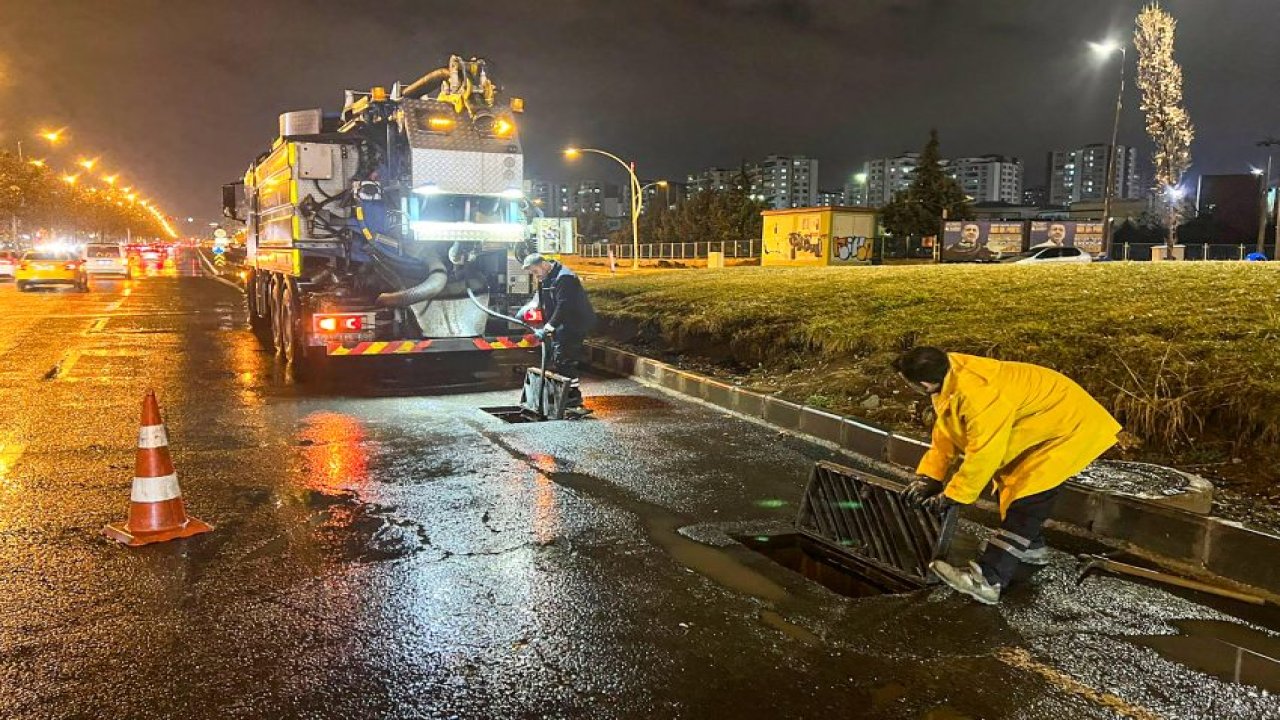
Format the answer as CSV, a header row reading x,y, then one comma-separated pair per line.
x,y
1051,254
106,259
8,264
45,267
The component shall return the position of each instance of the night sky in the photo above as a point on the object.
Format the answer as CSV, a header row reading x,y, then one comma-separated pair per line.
x,y
182,95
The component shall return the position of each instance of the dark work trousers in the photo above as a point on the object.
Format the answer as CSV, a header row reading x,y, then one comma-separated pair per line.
x,y
1022,529
566,359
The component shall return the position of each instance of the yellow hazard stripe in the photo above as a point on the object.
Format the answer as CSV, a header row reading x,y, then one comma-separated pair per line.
x,y
374,348
340,350
406,346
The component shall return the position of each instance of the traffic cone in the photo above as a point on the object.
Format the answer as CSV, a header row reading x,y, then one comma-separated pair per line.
x,y
156,512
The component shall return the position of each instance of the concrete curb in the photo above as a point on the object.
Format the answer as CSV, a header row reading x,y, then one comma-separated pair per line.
x,y
1177,529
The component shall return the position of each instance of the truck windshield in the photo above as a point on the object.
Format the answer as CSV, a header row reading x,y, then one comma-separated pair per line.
x,y
468,208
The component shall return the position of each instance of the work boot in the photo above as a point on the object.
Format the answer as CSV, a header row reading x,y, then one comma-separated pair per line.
x,y
577,413
971,582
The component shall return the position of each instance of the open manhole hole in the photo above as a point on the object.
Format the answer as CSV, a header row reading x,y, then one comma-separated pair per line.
x,y
513,414
837,572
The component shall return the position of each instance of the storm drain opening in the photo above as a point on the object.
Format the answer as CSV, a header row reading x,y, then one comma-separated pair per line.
x,y
837,572
513,414
858,524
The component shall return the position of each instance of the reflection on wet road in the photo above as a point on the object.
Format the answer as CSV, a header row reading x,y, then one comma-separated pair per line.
x,y
411,556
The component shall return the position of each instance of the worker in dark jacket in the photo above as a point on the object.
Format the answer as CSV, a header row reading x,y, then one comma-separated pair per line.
x,y
569,316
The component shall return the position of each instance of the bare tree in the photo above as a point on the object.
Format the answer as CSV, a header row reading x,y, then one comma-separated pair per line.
x,y
1160,80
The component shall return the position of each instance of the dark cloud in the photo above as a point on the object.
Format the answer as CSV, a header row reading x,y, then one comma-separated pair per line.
x,y
184,93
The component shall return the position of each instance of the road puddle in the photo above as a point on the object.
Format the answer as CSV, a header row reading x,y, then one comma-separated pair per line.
x,y
1225,650
363,532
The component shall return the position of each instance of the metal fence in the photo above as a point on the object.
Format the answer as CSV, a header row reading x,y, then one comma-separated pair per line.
x,y
1201,251
673,251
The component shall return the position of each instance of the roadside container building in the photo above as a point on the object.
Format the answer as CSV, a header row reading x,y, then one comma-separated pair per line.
x,y
803,237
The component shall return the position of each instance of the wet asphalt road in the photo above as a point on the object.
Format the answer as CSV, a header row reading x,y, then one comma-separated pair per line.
x,y
409,556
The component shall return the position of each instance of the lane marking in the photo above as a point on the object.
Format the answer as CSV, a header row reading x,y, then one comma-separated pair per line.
x,y
115,305
10,454
1021,659
63,365
96,326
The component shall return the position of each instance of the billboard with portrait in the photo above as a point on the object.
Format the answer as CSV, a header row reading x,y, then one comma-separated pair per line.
x,y
1067,233
981,240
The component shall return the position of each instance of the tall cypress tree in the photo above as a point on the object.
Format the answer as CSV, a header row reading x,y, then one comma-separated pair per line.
x,y
917,211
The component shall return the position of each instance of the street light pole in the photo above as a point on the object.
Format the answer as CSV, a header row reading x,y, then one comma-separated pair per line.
x,y
635,198
1266,186
1108,48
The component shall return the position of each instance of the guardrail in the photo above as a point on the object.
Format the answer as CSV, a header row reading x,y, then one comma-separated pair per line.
x,y
672,251
1197,251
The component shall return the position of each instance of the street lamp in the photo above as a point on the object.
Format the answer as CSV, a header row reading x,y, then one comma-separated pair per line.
x,y
53,136
1266,187
573,153
110,179
660,183
37,163
1105,50
87,164
70,179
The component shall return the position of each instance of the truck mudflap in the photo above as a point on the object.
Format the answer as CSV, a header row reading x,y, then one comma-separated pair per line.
x,y
435,345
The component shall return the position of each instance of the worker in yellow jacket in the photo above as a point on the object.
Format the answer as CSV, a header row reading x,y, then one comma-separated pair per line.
x,y
1023,427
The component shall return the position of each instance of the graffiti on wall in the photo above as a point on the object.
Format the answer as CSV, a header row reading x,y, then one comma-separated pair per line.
x,y
805,244
854,248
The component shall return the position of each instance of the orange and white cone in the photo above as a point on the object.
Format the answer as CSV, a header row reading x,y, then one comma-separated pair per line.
x,y
156,512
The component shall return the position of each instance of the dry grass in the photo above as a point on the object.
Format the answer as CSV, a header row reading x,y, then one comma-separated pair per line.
x,y
1181,353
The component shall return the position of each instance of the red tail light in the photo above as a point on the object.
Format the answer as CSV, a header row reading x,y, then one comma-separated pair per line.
x,y
533,316
339,323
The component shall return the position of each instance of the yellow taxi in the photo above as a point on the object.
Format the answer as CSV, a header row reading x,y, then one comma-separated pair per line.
x,y
47,267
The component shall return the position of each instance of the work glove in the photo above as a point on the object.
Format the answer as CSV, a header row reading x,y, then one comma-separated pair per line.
x,y
544,331
939,504
921,489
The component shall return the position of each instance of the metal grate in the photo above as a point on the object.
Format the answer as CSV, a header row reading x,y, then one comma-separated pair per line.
x,y
865,517
554,392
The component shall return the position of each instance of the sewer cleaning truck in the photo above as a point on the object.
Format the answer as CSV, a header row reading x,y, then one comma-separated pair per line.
x,y
385,232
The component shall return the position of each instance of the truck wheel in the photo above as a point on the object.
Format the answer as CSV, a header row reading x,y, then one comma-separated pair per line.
x,y
22,287
301,363
259,320
274,297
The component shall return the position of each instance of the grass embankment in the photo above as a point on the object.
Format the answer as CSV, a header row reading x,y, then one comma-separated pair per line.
x,y
1186,355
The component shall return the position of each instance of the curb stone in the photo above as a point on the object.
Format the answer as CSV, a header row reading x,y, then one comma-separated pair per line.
x,y
1176,528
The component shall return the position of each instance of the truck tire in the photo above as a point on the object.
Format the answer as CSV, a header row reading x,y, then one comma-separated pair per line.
x,y
259,320
302,364
274,297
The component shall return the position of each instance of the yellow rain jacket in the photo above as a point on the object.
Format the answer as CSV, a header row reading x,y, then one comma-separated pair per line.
x,y
1026,427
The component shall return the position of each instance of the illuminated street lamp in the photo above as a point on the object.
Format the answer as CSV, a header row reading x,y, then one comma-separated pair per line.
x,y
87,164
110,179
1105,50
573,153
70,179
659,183
53,136
37,163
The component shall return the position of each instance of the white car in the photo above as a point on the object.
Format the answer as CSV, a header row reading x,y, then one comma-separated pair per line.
x,y
1052,254
106,259
8,263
